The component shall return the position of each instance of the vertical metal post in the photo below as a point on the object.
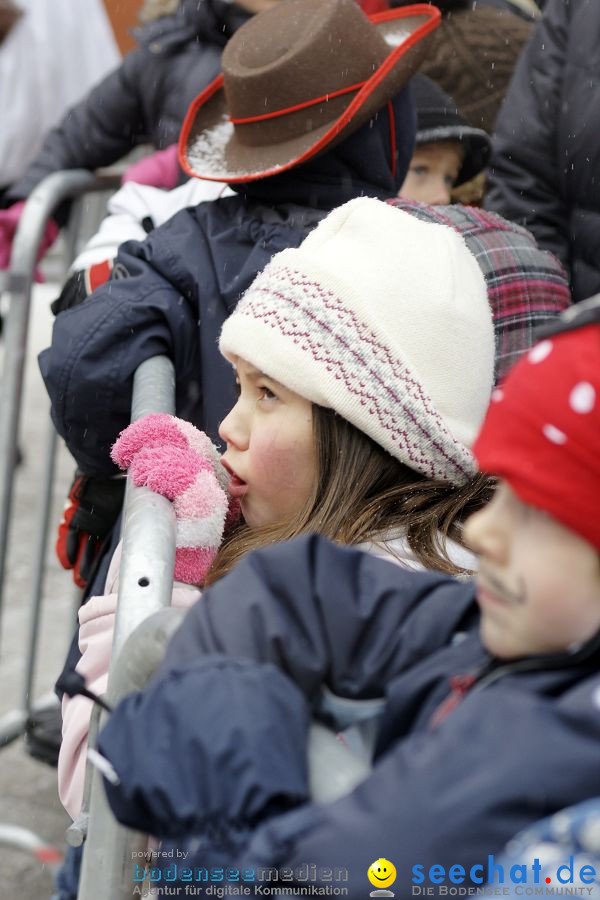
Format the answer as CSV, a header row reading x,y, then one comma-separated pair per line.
x,y
39,565
145,585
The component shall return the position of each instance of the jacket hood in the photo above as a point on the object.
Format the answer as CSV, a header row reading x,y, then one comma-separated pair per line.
x,y
206,21
361,165
212,20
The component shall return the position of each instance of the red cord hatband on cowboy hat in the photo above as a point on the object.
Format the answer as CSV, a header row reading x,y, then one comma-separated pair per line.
x,y
297,78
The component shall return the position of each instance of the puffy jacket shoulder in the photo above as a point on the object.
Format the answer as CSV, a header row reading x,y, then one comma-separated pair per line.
x,y
169,294
546,156
325,614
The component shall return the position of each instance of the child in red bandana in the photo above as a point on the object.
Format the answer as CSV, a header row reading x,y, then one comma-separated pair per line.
x,y
539,539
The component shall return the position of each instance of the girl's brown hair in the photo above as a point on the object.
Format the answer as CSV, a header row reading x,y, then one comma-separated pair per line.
x,y
361,493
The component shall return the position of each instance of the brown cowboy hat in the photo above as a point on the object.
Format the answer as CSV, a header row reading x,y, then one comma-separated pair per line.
x,y
296,79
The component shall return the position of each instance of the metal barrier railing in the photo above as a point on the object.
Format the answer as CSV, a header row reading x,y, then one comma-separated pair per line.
x,y
47,196
109,847
18,283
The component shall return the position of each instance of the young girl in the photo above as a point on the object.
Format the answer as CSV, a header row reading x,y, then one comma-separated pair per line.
x,y
365,362
363,377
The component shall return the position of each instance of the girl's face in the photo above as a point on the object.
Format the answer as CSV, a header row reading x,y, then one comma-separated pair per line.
x,y
538,585
270,448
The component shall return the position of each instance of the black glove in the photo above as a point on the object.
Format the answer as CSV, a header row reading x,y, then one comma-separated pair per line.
x,y
91,511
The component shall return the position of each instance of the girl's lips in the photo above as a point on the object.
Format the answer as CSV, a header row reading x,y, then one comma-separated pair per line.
x,y
236,487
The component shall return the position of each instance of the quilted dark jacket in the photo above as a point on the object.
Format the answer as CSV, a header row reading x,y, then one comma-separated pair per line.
x,y
545,166
145,99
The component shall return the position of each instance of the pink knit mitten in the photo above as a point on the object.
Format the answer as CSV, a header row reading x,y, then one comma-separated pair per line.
x,y
175,459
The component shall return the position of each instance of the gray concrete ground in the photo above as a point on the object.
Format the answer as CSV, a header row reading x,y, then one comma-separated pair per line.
x,y
28,796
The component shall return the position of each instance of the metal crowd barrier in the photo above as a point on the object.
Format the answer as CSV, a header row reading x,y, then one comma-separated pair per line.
x,y
18,283
47,196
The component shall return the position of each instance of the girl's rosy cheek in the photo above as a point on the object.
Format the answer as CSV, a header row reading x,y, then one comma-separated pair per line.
x,y
277,461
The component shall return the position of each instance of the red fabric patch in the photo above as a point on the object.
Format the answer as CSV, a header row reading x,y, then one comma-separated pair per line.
x,y
97,275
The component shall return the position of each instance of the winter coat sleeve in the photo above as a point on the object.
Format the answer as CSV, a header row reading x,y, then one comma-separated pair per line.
x,y
97,131
239,756
525,173
452,796
136,209
96,627
324,613
149,307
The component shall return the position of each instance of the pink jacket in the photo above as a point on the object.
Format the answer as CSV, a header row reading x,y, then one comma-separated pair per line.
x,y
96,624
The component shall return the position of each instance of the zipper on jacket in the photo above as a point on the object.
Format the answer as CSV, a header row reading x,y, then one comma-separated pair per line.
x,y
461,685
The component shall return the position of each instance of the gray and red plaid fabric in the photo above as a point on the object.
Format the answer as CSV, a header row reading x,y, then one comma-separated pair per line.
x,y
527,287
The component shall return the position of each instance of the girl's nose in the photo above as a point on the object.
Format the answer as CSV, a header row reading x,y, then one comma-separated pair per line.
x,y
233,430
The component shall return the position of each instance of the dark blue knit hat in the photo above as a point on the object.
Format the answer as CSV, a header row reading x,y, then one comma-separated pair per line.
x,y
438,119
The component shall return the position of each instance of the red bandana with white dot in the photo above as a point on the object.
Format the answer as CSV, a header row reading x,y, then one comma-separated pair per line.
x,y
542,430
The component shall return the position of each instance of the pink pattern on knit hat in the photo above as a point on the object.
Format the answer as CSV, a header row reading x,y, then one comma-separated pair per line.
x,y
396,401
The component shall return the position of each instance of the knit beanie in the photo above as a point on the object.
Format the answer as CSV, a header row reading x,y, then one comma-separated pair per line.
x,y
542,430
384,319
438,119
472,56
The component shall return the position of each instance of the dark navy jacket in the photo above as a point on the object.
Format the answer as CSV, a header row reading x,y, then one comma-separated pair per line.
x,y
171,293
145,99
457,771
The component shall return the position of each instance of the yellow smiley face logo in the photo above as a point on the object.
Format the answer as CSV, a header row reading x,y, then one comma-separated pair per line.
x,y
382,873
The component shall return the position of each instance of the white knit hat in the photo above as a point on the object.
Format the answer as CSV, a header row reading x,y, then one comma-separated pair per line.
x,y
385,319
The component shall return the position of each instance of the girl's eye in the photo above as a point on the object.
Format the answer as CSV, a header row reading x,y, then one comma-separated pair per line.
x,y
419,171
265,393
